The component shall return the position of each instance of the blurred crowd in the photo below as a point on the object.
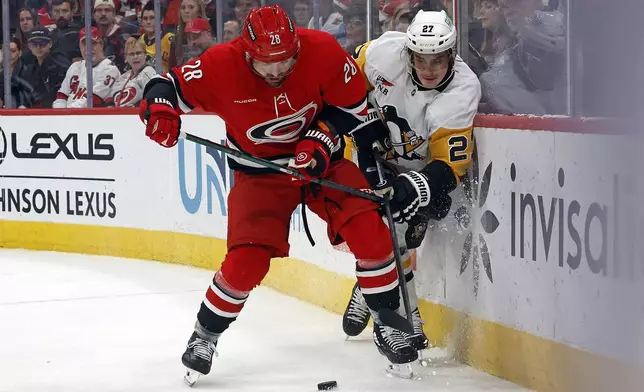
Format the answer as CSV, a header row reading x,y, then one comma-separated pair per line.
x,y
517,47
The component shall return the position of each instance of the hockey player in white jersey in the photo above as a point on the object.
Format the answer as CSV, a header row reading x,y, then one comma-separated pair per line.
x,y
428,98
73,91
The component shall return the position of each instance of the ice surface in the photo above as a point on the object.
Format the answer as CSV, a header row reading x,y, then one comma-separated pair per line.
x,y
89,323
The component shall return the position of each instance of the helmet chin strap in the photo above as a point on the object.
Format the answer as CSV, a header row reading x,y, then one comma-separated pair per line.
x,y
449,75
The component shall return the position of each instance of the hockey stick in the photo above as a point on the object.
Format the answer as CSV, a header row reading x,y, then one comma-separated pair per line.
x,y
394,237
387,316
270,165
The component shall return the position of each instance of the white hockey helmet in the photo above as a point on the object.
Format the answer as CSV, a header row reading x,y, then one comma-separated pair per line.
x,y
431,32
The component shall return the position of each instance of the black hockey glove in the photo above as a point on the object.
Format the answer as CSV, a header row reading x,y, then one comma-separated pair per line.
x,y
417,226
439,206
369,168
371,133
410,192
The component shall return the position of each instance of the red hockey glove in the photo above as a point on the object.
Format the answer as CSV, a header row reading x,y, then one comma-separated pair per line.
x,y
313,154
162,121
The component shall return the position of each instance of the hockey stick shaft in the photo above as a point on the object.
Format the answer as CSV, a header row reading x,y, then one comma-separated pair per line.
x,y
270,165
394,238
380,161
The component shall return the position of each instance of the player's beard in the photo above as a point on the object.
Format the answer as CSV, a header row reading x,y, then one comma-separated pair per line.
x,y
274,81
272,77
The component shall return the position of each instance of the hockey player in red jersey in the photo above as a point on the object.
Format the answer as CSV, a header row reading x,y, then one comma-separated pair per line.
x,y
286,95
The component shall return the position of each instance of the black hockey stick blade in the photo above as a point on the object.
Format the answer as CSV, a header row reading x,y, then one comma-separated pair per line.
x,y
392,319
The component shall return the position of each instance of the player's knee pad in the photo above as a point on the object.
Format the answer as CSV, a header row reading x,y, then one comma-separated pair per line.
x,y
246,266
368,238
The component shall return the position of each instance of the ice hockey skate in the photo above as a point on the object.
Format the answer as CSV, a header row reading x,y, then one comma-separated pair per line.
x,y
198,358
418,339
356,315
392,344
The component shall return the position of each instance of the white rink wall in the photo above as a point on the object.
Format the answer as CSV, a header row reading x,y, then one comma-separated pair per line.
x,y
552,238
555,246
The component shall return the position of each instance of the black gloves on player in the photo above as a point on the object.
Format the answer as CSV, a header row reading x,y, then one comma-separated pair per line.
x,y
410,191
411,194
372,133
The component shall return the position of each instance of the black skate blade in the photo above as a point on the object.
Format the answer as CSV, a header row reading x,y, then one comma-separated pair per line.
x,y
392,319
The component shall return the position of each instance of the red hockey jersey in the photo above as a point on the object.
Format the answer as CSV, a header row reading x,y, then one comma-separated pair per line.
x,y
267,121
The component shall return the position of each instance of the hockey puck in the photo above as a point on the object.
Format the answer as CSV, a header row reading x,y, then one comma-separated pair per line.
x,y
327,385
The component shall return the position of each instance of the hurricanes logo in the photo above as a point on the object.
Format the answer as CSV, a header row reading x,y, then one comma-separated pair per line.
x,y
73,84
405,145
126,96
475,247
283,129
3,146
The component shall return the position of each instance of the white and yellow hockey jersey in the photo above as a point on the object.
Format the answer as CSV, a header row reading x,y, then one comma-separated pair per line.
x,y
73,91
425,125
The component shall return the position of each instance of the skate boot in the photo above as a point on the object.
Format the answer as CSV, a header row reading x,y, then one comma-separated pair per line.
x,y
357,314
198,358
417,340
392,344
